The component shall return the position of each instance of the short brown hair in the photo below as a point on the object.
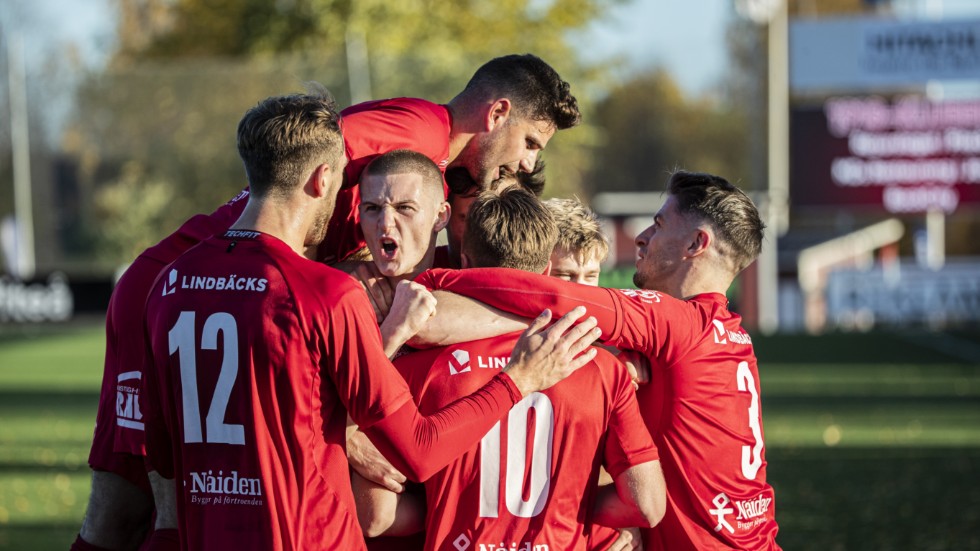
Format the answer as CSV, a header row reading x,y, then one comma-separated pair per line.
x,y
283,137
509,229
534,87
728,209
406,161
579,232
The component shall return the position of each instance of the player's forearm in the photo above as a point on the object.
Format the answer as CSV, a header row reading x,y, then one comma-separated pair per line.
x,y
637,498
382,512
463,319
525,294
393,336
419,446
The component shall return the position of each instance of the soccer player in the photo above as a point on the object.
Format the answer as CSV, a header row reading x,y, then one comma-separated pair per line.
x,y
531,481
508,111
463,190
581,247
702,405
258,353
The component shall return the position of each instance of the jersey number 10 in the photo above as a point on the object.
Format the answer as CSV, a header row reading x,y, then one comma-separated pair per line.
x,y
540,475
183,342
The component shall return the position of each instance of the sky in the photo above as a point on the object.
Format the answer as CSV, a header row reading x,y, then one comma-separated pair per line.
x,y
687,37
646,33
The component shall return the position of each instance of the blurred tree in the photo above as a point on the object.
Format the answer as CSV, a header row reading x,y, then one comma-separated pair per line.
x,y
650,128
163,114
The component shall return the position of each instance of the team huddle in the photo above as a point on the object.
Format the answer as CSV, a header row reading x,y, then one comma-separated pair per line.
x,y
306,368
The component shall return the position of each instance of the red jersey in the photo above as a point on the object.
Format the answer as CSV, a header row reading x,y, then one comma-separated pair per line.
x,y
257,355
371,129
701,406
531,481
118,443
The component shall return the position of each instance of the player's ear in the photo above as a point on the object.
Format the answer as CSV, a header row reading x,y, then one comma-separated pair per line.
x,y
442,217
464,261
547,269
498,113
320,180
700,241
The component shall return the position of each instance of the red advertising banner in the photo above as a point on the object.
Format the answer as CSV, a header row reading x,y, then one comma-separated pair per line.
x,y
907,155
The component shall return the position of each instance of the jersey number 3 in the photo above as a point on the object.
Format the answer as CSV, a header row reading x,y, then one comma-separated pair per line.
x,y
183,342
751,455
539,480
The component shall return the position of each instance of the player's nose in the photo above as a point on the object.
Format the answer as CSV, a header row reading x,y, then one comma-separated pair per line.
x,y
527,163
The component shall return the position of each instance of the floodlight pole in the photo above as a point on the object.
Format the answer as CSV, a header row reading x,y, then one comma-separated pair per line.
x,y
777,206
21,149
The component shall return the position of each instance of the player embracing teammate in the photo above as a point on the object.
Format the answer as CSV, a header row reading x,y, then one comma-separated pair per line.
x,y
245,390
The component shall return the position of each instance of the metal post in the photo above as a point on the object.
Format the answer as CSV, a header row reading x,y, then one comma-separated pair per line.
x,y
20,144
776,209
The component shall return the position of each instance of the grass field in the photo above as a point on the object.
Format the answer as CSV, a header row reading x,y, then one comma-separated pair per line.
x,y
873,441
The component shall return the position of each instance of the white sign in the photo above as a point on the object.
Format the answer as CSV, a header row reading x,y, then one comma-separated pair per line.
x,y
866,53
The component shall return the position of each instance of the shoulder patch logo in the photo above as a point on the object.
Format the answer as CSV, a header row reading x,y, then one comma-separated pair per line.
x,y
720,333
459,363
170,287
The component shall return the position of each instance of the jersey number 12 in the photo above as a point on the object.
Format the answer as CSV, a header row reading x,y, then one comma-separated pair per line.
x,y
183,342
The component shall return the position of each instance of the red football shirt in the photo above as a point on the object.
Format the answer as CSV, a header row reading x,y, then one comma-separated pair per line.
x,y
118,443
701,406
257,356
370,129
532,479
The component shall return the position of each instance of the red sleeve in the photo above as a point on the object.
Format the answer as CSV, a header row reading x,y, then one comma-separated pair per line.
x,y
628,442
379,401
159,451
526,294
635,319
421,446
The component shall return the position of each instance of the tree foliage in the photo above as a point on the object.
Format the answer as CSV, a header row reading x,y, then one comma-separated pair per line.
x,y
159,122
649,128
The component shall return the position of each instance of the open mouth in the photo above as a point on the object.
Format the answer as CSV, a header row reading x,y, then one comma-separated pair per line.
x,y
389,246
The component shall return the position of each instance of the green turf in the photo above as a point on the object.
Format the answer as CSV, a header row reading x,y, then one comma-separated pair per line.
x,y
49,391
873,441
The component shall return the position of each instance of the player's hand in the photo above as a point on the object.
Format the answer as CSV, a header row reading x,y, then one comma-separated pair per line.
x,y
638,366
542,357
369,463
629,540
378,288
411,309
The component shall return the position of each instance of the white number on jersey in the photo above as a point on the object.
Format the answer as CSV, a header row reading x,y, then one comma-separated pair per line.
x,y
183,341
540,480
751,455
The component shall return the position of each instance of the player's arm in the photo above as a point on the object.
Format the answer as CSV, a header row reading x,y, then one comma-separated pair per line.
x,y
524,294
481,322
636,498
368,462
630,319
420,445
382,512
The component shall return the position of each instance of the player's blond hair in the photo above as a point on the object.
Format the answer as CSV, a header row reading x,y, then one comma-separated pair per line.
x,y
509,229
579,232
